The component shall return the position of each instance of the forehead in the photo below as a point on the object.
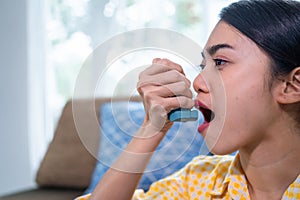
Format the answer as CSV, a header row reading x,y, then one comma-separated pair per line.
x,y
224,33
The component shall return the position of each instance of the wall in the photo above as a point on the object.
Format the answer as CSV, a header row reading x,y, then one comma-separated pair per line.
x,y
21,101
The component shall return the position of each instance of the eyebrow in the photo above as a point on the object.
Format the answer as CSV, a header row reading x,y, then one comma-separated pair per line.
x,y
213,49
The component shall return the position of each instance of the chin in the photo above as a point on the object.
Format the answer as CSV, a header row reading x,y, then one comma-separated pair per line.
x,y
220,149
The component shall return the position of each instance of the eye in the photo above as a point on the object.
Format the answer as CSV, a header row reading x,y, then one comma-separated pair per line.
x,y
202,66
219,63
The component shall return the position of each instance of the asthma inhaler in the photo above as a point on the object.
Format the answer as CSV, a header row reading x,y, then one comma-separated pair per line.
x,y
183,115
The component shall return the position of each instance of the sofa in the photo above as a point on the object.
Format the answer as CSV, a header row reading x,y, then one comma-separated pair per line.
x,y
70,165
66,169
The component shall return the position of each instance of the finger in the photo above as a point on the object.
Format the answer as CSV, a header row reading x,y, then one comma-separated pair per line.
x,y
170,63
162,65
159,68
172,103
164,78
171,90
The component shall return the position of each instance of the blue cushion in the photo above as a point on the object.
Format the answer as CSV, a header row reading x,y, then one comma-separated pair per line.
x,y
121,120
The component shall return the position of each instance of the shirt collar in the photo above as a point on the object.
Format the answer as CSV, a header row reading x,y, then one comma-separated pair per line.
x,y
235,182
293,191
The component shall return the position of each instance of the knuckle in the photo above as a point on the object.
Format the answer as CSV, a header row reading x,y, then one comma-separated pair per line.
x,y
180,69
169,63
162,62
163,104
142,75
165,61
175,74
147,94
191,103
150,96
185,101
190,94
140,91
155,60
140,85
189,83
182,86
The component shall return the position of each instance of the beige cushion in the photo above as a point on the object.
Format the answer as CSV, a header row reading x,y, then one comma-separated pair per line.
x,y
71,156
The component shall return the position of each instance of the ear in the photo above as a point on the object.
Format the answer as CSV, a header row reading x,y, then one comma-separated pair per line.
x,y
288,91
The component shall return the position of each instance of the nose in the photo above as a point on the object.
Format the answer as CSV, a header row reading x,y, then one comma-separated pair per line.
x,y
200,85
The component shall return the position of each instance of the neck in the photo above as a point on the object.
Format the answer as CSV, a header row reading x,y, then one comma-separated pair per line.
x,y
272,165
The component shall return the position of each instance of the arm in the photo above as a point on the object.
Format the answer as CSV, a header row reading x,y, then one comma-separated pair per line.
x,y
157,85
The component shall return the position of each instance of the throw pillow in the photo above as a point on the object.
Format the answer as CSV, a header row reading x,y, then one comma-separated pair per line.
x,y
119,121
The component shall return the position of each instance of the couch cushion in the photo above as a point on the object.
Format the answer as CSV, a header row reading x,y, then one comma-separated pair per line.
x,y
71,156
67,162
119,122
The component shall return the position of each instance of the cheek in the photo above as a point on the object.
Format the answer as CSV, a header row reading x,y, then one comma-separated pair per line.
x,y
245,88
248,110
244,101
229,132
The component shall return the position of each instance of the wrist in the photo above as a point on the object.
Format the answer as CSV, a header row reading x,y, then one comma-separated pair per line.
x,y
145,140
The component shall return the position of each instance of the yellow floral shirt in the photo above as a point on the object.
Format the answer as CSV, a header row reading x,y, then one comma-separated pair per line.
x,y
206,177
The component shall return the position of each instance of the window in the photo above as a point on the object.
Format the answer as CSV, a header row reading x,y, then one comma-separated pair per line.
x,y
76,27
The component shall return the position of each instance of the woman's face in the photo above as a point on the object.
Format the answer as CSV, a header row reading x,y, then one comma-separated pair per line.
x,y
234,86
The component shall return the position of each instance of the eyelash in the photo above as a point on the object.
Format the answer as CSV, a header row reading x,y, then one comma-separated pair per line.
x,y
201,66
219,63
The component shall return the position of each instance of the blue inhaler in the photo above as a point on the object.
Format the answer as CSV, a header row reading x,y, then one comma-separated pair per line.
x,y
183,115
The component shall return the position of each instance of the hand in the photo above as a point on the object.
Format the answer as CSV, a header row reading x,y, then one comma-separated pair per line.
x,y
163,87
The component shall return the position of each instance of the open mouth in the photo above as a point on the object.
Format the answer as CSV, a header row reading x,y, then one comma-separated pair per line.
x,y
208,114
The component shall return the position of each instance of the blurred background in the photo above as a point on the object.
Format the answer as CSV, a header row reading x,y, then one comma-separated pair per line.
x,y
44,44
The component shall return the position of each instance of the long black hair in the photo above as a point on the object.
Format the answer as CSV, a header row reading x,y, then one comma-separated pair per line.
x,y
274,25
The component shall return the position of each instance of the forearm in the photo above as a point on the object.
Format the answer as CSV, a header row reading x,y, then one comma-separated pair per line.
x,y
121,180
159,99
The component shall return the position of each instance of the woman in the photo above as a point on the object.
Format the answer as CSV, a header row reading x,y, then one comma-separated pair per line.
x,y
255,52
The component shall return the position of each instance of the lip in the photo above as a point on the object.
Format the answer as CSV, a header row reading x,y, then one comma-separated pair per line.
x,y
199,104
202,127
